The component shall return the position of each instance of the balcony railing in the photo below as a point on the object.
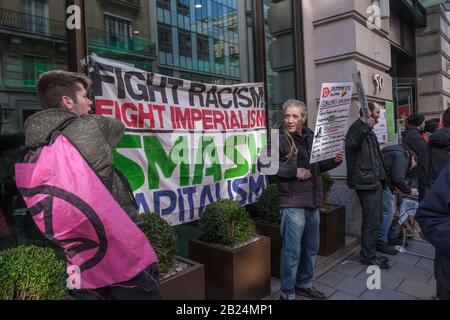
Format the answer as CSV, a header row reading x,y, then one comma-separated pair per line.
x,y
134,4
113,45
29,24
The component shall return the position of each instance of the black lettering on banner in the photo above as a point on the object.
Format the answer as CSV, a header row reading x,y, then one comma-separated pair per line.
x,y
121,93
175,84
102,78
196,91
211,98
257,97
139,96
157,88
243,97
221,102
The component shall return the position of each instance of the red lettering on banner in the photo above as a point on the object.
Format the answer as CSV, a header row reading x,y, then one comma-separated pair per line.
x,y
146,116
234,121
196,115
100,107
117,108
218,119
173,123
207,120
132,121
160,109
183,119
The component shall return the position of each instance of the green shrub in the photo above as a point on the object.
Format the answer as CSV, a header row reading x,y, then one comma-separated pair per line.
x,y
162,237
226,222
327,183
31,273
267,205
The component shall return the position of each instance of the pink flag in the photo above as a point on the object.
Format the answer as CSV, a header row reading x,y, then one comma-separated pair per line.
x,y
71,206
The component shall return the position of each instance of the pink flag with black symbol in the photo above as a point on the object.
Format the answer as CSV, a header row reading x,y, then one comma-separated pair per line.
x,y
72,207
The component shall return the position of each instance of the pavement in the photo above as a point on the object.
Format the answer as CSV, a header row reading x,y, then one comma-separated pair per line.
x,y
343,277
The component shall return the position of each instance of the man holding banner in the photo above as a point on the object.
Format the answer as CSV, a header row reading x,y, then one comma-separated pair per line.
x,y
300,197
78,200
366,174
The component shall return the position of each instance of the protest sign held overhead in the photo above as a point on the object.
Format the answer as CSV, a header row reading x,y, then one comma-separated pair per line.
x,y
332,120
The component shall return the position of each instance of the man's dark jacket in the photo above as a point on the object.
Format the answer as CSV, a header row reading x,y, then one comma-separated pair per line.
x,y
438,154
413,139
397,161
365,167
293,193
433,217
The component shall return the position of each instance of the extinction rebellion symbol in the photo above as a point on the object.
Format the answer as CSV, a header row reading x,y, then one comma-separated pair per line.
x,y
326,92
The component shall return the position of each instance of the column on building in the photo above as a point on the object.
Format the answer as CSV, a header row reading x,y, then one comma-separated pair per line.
x,y
433,63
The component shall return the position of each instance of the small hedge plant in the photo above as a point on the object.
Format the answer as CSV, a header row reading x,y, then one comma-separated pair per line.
x,y
267,205
226,222
162,237
32,273
327,183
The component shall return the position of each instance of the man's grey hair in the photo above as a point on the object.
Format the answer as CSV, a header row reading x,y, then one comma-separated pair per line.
x,y
295,103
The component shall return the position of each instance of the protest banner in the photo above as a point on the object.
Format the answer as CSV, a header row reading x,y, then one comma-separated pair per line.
x,y
187,144
380,128
332,120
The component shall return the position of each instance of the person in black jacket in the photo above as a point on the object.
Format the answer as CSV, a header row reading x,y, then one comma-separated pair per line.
x,y
438,152
300,197
412,137
398,160
433,217
366,174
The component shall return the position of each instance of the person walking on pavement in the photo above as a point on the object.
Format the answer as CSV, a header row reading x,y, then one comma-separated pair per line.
x,y
366,174
300,197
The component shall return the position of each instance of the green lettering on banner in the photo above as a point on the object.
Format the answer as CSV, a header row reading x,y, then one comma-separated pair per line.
x,y
234,155
253,152
207,148
130,169
157,156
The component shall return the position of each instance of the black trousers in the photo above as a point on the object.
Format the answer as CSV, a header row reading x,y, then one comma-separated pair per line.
x,y
442,292
372,206
145,286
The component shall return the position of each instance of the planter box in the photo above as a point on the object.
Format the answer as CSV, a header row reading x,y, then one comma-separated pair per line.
x,y
273,232
234,273
332,229
186,285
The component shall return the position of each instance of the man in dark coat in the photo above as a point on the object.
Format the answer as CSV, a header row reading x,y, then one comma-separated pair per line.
x,y
438,152
412,137
433,217
366,175
398,160
300,197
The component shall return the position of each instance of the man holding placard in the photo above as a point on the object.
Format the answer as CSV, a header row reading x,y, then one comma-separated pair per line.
x,y
366,174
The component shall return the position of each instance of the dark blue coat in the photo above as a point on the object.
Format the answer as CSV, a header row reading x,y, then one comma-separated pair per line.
x,y
433,217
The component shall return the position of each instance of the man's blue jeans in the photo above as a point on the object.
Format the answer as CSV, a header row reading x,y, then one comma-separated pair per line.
x,y
386,216
300,237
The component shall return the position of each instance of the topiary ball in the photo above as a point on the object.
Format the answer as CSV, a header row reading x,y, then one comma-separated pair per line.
x,y
162,237
32,273
226,222
267,205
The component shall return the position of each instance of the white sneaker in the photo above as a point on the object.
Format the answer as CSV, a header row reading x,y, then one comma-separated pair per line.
x,y
286,296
